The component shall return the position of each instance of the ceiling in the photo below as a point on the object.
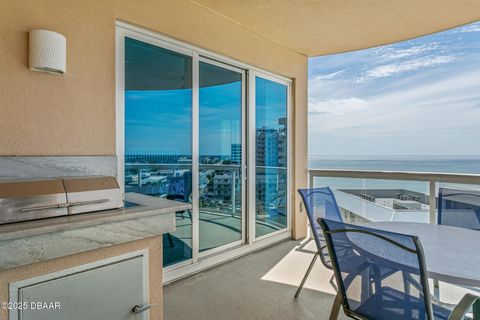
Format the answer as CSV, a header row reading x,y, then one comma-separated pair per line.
x,y
318,27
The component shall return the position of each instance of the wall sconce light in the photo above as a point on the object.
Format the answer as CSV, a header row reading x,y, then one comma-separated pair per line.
x,y
47,52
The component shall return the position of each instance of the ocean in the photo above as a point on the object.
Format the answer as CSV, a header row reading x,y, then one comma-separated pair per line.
x,y
444,164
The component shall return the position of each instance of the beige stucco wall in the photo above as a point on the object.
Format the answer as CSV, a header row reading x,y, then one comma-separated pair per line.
x,y
153,245
74,114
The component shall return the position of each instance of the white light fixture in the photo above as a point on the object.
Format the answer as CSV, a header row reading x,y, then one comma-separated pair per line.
x,y
47,51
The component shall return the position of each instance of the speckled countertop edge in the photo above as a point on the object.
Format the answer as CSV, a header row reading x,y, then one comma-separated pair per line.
x,y
41,240
147,206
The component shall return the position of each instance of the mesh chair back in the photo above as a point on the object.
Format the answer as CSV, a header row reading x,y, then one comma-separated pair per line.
x,y
320,203
459,208
382,277
180,187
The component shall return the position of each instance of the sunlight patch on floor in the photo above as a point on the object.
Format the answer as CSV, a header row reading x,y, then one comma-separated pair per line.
x,y
291,269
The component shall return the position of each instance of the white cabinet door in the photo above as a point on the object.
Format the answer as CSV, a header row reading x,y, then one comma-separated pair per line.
x,y
106,292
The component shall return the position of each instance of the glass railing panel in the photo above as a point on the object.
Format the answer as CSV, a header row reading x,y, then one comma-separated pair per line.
x,y
271,200
364,200
401,200
220,205
459,205
169,181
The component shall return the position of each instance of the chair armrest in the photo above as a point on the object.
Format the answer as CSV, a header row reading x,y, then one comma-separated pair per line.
x,y
436,301
325,263
463,306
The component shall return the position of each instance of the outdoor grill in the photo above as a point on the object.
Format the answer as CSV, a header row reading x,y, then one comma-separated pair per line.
x,y
38,199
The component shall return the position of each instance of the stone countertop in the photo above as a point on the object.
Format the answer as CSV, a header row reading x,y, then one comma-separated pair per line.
x,y
40,240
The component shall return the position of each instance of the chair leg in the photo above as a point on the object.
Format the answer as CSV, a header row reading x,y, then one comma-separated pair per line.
x,y
310,267
336,307
332,283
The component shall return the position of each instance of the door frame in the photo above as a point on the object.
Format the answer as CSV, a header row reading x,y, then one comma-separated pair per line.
x,y
242,165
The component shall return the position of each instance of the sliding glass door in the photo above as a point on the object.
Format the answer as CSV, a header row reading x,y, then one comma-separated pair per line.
x,y
184,124
158,134
271,156
221,157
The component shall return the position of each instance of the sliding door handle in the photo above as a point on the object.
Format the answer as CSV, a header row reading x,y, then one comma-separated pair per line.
x,y
139,309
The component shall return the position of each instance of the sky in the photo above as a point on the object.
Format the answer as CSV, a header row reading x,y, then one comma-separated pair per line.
x,y
416,97
160,121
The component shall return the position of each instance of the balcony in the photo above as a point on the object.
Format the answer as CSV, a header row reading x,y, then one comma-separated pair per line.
x,y
187,123
261,285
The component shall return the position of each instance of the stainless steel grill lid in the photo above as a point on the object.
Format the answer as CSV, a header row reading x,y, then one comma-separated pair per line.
x,y
31,200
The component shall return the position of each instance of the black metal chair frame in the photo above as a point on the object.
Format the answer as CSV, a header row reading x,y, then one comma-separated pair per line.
x,y
320,249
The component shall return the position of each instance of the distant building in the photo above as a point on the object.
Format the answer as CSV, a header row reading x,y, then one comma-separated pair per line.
x,y
282,143
236,153
367,205
271,145
271,149
267,147
142,156
222,185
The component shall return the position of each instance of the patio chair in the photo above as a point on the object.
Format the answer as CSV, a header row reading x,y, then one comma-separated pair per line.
x,y
365,294
180,189
459,208
319,203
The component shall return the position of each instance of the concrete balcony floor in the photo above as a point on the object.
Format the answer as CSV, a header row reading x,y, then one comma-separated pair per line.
x,y
261,286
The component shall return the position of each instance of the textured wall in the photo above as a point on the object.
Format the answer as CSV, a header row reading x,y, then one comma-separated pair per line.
x,y
74,114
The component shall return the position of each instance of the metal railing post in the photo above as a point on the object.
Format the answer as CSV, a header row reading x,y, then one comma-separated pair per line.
x,y
433,201
232,191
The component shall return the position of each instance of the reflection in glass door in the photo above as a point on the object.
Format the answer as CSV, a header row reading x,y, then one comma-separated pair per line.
x,y
271,138
221,157
158,134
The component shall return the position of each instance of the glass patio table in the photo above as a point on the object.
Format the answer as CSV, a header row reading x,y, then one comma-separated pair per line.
x,y
451,253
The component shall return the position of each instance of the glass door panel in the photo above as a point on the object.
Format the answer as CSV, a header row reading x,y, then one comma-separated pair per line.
x,y
220,150
158,134
271,101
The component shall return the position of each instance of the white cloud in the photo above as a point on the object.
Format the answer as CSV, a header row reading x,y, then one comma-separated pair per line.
x,y
388,70
470,28
422,120
395,53
328,76
337,106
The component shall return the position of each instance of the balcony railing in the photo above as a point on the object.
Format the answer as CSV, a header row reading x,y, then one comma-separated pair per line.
x,y
220,188
389,195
